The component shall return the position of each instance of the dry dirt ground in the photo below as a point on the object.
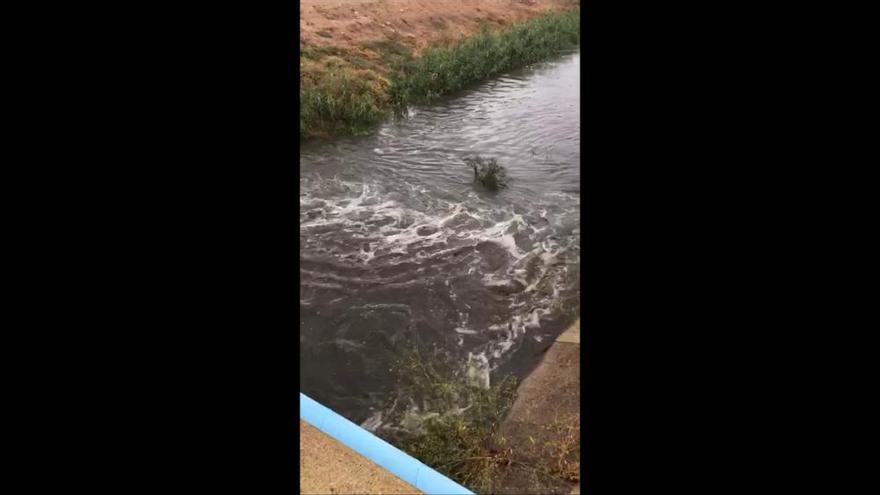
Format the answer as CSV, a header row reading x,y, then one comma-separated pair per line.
x,y
348,24
328,467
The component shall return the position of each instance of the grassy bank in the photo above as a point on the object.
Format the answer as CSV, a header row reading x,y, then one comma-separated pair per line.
x,y
442,418
451,425
348,92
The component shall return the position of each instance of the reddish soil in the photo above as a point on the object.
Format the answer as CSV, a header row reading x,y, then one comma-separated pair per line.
x,y
348,24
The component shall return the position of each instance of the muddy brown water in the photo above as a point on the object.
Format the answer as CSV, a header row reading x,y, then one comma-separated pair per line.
x,y
400,248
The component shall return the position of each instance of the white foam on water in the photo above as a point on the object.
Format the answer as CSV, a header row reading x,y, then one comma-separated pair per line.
x,y
373,422
399,218
478,370
429,229
534,320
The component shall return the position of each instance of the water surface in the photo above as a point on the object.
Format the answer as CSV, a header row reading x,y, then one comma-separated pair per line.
x,y
399,247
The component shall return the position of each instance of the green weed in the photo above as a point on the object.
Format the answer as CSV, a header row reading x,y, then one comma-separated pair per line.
x,y
488,173
443,70
462,439
351,92
338,98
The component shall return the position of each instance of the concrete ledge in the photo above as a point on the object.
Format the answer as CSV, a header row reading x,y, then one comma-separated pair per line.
x,y
572,335
542,419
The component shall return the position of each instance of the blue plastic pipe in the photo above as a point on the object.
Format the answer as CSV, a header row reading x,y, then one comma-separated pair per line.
x,y
377,450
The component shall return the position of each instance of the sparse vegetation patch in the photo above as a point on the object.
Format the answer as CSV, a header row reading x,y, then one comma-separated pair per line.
x,y
445,422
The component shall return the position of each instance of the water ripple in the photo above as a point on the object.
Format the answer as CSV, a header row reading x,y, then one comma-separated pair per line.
x,y
399,247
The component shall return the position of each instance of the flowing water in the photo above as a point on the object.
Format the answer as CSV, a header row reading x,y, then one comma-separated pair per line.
x,y
400,247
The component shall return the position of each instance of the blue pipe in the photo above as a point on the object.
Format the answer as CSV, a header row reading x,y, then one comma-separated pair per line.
x,y
377,450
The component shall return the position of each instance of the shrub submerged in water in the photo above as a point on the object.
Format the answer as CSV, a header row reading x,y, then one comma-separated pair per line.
x,y
488,172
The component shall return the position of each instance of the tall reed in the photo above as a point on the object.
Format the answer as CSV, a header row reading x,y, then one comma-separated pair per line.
x,y
443,70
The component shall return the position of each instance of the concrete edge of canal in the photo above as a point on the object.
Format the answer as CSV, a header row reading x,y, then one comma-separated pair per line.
x,y
544,421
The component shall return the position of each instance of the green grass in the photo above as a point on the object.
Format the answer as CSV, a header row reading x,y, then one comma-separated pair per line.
x,y
463,441
336,98
456,429
349,93
443,70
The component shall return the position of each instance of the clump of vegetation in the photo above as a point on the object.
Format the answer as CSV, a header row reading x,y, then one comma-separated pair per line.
x,y
488,172
352,97
442,70
460,432
336,97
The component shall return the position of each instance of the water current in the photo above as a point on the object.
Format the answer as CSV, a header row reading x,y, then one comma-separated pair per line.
x,y
400,247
